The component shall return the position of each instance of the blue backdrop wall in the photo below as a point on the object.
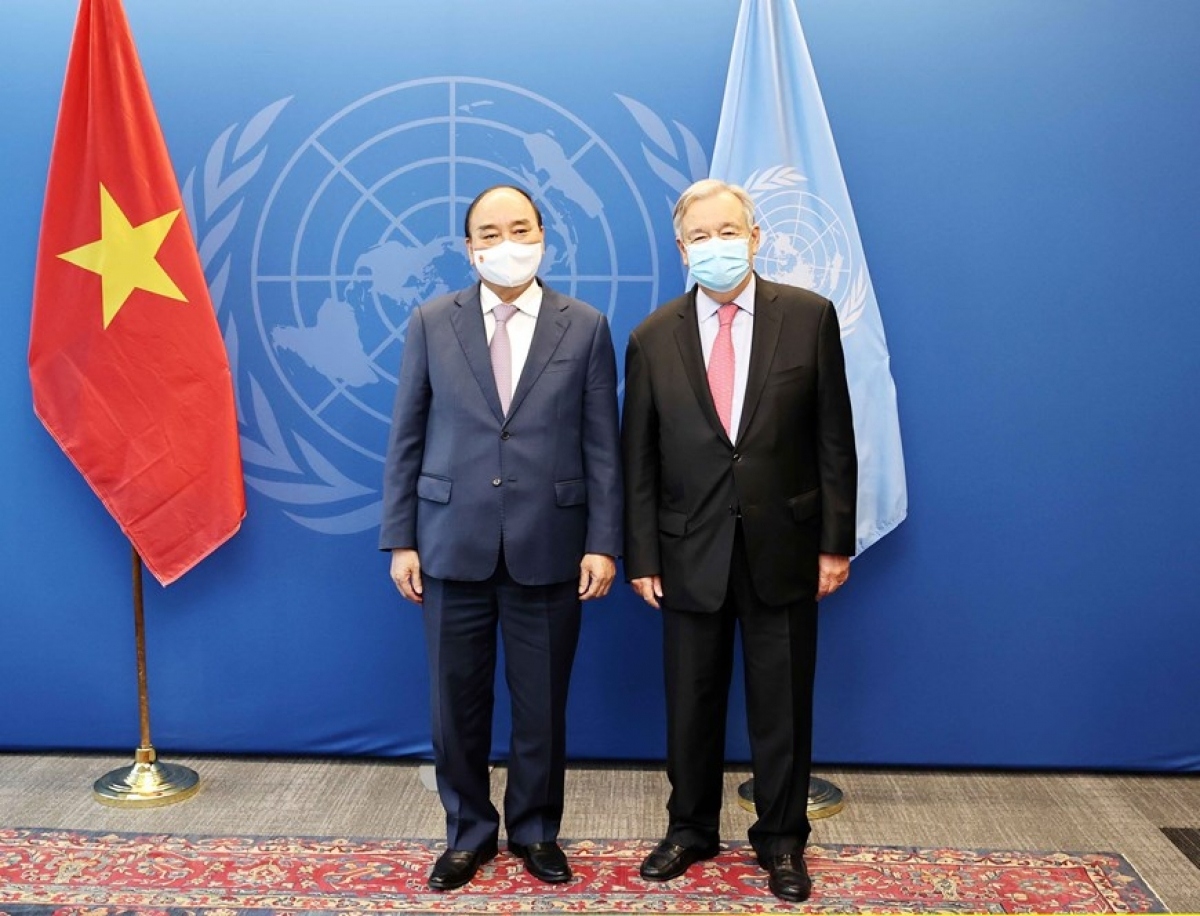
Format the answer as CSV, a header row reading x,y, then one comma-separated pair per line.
x,y
1025,180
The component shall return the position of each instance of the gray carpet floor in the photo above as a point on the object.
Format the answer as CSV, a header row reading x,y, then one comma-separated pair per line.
x,y
385,798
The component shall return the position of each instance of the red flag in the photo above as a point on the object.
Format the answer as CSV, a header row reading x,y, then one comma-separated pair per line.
x,y
129,372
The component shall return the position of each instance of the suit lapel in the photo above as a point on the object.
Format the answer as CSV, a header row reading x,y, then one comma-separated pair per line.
x,y
552,324
467,320
768,320
687,338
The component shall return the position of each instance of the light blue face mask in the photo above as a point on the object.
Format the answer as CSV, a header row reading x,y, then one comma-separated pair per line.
x,y
719,264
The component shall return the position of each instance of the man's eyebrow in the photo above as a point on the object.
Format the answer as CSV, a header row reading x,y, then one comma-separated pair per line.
x,y
524,220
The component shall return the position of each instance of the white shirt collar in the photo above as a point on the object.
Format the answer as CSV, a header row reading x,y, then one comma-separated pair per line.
x,y
529,302
706,305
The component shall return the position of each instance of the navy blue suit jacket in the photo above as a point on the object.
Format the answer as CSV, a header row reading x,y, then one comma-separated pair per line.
x,y
461,478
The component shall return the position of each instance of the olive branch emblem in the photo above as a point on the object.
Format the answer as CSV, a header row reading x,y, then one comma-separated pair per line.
x,y
213,198
677,164
773,179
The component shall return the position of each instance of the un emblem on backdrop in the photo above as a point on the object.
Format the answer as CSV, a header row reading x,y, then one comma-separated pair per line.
x,y
363,223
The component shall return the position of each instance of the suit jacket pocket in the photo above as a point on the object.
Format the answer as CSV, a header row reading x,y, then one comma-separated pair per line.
x,y
570,492
561,365
435,489
673,523
805,506
790,375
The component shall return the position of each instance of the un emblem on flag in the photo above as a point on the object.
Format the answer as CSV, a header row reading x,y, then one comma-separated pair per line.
x,y
363,223
805,243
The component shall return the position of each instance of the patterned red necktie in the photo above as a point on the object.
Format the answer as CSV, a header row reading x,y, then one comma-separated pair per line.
x,y
501,349
720,366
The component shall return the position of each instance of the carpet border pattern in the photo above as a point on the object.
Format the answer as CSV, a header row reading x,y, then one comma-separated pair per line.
x,y
94,873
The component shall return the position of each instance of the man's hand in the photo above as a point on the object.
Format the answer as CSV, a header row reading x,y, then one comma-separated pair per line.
x,y
832,572
596,574
406,573
649,589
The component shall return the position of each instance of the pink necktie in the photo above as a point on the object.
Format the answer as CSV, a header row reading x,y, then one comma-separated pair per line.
x,y
720,366
501,349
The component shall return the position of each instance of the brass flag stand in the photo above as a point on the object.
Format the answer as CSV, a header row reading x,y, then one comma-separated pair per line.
x,y
824,798
147,783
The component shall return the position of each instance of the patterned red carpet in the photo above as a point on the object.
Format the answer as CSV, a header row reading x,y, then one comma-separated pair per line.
x,y
107,874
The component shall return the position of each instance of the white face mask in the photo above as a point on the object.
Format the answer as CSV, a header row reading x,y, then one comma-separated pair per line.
x,y
509,263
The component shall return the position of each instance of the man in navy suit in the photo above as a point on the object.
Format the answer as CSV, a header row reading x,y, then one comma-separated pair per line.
x,y
741,484
502,506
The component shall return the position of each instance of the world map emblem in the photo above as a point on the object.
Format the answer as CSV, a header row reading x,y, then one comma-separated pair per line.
x,y
805,242
363,223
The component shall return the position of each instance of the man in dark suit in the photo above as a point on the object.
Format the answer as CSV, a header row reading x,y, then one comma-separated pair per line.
x,y
740,490
502,506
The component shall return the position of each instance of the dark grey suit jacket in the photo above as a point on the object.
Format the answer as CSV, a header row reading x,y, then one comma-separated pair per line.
x,y
791,474
460,477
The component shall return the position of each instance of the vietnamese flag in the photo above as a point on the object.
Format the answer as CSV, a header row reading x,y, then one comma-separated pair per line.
x,y
129,372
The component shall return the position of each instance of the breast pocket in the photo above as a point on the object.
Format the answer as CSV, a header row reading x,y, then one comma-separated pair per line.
x,y
561,365
792,375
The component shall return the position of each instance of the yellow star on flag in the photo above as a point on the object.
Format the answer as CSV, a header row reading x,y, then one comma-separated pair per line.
x,y
124,256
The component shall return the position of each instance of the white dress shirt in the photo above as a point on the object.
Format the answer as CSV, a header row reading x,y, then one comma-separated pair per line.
x,y
742,333
520,325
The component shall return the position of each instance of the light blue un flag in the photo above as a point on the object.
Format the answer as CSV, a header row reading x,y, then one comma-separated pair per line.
x,y
774,140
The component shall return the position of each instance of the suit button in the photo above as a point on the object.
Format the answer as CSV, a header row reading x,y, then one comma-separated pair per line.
x,y
737,458
506,435
495,481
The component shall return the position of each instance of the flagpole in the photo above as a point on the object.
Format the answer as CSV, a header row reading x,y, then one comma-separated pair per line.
x,y
147,782
774,138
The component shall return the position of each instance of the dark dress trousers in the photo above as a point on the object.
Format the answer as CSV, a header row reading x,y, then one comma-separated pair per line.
x,y
734,528
501,510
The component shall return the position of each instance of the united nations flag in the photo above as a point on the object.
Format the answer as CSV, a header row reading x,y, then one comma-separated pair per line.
x,y
774,139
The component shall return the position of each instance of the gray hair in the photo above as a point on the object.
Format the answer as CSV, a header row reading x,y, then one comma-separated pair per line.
x,y
710,187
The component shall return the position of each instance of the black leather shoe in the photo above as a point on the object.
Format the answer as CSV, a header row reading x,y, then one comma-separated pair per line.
x,y
545,861
456,867
670,861
789,878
